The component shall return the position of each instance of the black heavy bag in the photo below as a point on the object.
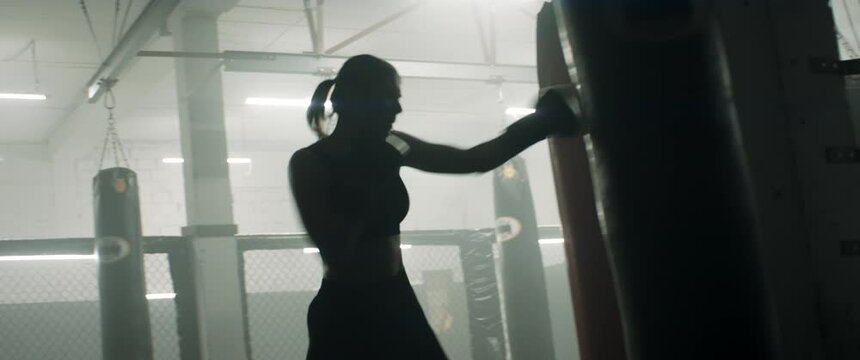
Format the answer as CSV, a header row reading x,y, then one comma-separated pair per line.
x,y
523,284
119,245
595,305
670,176
482,296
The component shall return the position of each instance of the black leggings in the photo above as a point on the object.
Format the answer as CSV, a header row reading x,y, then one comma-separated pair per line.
x,y
370,320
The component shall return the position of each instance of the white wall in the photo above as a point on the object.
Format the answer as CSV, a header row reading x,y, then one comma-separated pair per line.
x,y
52,196
26,194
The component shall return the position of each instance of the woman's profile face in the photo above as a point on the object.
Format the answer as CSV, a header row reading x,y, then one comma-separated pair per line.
x,y
383,107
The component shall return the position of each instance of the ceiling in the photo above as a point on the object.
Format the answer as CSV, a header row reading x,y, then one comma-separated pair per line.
x,y
67,56
435,30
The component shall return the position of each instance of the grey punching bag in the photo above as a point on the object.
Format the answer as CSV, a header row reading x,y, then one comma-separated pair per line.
x,y
122,288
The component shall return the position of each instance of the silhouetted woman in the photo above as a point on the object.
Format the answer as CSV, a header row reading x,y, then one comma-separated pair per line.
x,y
351,199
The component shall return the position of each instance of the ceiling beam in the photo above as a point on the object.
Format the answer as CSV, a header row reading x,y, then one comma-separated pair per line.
x,y
241,61
313,13
327,65
488,47
373,27
151,19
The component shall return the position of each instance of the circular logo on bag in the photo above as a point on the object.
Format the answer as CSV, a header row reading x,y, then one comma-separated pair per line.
x,y
507,228
111,249
119,185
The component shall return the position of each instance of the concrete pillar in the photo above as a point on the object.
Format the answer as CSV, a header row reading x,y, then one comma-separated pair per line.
x,y
213,257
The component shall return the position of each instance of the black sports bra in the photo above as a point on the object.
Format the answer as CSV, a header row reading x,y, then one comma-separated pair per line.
x,y
366,184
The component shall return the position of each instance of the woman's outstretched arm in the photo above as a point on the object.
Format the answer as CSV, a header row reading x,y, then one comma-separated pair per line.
x,y
481,158
554,115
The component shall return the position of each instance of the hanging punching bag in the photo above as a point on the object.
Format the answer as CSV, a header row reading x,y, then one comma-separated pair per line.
x,y
122,289
482,296
595,306
670,177
523,284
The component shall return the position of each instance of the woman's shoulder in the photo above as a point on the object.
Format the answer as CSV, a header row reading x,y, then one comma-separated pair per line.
x,y
305,160
315,158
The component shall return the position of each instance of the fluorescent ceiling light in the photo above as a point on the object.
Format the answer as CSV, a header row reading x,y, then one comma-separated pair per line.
x,y
49,257
406,247
518,111
160,296
551,241
311,250
238,160
173,160
17,96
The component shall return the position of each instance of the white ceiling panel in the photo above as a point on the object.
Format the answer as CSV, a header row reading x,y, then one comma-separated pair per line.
x,y
438,30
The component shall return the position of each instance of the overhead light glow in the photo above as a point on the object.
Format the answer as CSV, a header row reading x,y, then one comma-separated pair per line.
x,y
311,250
49,257
160,296
173,160
518,111
92,90
238,160
18,96
406,247
551,241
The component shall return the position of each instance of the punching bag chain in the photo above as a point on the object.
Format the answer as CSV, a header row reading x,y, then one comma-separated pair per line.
x,y
111,135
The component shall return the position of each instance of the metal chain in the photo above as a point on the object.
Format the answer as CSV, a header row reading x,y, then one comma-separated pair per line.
x,y
35,65
92,30
115,21
111,134
124,18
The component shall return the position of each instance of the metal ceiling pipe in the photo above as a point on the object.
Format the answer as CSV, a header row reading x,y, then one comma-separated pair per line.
x,y
670,178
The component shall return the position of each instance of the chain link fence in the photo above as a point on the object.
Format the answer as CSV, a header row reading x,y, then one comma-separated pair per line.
x,y
282,274
49,301
49,308
280,284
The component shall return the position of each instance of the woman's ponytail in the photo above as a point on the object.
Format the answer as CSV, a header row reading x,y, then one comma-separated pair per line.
x,y
316,111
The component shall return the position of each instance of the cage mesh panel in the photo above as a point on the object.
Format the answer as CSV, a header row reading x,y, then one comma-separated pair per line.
x,y
50,309
280,285
162,312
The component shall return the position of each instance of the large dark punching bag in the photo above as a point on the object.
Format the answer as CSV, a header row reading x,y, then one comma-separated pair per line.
x,y
523,284
595,305
670,177
122,289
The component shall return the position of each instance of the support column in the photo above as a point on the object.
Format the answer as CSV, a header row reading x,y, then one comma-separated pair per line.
x,y
681,234
210,231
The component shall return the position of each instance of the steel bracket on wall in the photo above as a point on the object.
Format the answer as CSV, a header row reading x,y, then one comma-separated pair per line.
x,y
834,67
